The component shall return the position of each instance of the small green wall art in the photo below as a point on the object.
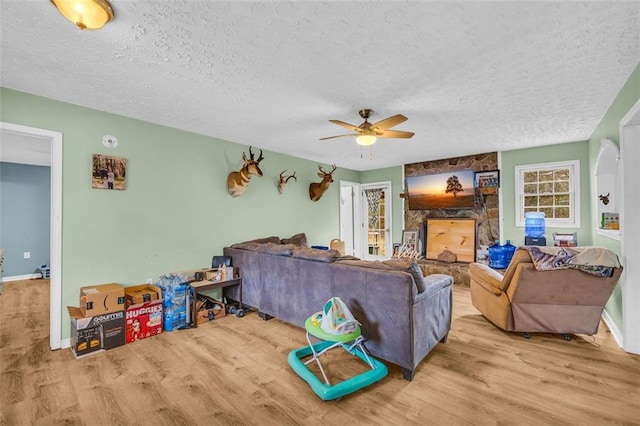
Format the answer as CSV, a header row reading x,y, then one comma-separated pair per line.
x,y
108,172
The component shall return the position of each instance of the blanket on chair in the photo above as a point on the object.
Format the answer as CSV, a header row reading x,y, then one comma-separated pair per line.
x,y
597,261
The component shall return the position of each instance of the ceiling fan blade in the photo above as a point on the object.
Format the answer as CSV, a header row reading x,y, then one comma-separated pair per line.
x,y
398,134
338,136
347,125
389,122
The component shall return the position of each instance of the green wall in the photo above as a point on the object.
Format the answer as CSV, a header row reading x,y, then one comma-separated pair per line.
x,y
545,154
393,175
609,128
176,212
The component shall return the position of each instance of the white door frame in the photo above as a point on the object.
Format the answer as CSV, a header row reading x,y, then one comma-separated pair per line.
x,y
356,224
55,249
630,225
388,211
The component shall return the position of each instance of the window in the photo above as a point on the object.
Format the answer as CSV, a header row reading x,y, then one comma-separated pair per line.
x,y
550,188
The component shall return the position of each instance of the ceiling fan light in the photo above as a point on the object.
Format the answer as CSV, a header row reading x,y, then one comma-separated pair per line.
x,y
366,140
86,14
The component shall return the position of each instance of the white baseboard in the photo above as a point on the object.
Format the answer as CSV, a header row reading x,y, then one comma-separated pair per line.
x,y
21,277
613,328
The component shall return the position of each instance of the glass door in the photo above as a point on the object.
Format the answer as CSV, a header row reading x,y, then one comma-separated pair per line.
x,y
376,205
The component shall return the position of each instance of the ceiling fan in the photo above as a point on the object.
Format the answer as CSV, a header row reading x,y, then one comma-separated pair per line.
x,y
366,133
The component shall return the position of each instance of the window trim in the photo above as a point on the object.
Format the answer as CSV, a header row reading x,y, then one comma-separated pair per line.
x,y
574,193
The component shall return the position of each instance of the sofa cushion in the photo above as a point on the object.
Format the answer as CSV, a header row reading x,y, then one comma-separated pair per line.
x,y
247,246
364,263
315,254
411,267
298,239
277,249
274,239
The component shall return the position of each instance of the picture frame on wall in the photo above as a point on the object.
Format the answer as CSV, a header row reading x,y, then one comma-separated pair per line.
x,y
410,239
487,182
108,172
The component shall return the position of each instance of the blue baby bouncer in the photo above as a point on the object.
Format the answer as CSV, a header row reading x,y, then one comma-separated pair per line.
x,y
334,327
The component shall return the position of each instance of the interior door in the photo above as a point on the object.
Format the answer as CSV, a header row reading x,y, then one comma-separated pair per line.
x,y
376,214
346,218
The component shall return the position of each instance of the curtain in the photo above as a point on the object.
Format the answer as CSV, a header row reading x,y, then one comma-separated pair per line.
x,y
373,199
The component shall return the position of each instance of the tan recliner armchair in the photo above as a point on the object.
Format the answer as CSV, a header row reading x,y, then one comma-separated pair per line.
x,y
526,300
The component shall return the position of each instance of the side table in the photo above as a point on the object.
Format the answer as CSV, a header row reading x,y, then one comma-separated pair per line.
x,y
200,286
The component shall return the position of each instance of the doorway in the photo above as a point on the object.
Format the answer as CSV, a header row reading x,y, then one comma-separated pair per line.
x,y
365,219
10,130
376,218
349,217
630,244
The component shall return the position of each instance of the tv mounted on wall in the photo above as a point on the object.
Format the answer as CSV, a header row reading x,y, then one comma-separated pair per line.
x,y
451,190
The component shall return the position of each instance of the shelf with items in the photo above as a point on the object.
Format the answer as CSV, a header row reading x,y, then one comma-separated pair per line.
x,y
607,181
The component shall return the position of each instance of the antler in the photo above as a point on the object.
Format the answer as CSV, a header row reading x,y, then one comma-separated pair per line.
x,y
331,172
260,157
292,176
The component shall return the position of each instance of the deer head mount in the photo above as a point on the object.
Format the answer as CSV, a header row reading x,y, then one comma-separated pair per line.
x,y
284,180
604,198
316,189
237,182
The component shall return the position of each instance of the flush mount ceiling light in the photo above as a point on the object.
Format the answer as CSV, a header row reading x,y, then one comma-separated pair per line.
x,y
366,140
86,14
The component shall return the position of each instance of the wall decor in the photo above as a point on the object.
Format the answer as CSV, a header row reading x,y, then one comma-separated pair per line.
x,y
238,182
457,236
282,181
451,190
108,172
316,189
410,240
487,182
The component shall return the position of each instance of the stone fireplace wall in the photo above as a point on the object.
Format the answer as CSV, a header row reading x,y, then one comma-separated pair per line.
x,y
485,211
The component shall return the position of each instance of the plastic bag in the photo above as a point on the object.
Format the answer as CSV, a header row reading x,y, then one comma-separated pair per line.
x,y
337,318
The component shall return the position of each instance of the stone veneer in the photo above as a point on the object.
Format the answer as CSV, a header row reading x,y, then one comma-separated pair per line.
x,y
485,212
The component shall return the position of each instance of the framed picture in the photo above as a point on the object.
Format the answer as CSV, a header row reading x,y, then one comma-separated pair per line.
x,y
451,190
487,182
108,172
410,238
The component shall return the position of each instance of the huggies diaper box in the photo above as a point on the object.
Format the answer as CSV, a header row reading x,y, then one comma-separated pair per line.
x,y
144,312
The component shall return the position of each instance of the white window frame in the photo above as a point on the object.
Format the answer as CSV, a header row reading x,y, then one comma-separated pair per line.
x,y
574,192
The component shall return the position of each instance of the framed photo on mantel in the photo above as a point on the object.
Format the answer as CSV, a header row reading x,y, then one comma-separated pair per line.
x,y
488,182
410,239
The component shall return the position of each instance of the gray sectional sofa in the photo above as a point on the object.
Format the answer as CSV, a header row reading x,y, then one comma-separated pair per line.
x,y
403,314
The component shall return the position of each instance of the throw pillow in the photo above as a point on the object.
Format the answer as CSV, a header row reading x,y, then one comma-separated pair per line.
x,y
274,240
298,239
246,246
277,249
316,254
411,267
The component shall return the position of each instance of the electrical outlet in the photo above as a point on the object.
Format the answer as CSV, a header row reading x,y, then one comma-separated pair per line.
x,y
27,255
149,281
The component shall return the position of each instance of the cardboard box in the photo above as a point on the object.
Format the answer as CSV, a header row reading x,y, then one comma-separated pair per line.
x,y
143,319
212,274
95,333
143,293
208,309
101,299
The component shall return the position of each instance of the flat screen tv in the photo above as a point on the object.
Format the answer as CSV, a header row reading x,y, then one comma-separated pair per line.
x,y
451,190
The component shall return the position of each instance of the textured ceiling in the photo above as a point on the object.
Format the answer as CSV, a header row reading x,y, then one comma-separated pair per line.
x,y
470,76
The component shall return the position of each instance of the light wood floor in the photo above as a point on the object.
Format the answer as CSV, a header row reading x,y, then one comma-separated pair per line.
x,y
235,371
